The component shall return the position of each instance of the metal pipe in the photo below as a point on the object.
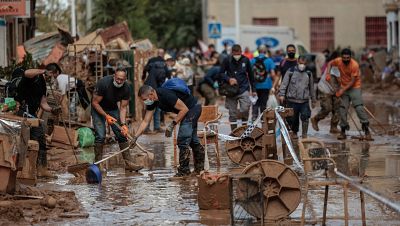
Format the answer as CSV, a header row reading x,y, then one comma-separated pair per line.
x,y
387,202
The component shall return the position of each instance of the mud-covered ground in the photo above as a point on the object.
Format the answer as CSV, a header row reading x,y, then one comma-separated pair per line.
x,y
150,198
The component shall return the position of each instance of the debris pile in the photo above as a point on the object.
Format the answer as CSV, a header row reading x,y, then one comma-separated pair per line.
x,y
32,205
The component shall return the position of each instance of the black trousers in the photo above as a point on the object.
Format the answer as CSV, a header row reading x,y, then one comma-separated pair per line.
x,y
37,133
261,103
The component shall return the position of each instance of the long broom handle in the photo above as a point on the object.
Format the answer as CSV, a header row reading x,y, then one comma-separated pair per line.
x,y
119,152
116,153
372,116
65,126
131,138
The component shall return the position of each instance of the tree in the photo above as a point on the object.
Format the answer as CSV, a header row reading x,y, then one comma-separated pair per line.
x,y
51,12
168,23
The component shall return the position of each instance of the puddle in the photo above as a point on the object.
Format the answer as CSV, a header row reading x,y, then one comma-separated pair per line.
x,y
150,198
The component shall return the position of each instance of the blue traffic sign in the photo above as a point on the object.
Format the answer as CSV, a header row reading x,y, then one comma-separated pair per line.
x,y
214,30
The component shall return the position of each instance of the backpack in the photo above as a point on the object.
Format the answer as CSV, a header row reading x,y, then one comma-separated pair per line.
x,y
260,72
176,84
11,87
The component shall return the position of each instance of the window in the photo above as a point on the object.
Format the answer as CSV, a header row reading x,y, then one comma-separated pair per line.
x,y
273,21
375,31
322,31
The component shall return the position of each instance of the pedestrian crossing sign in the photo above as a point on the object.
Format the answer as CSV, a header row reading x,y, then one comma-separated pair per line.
x,y
214,30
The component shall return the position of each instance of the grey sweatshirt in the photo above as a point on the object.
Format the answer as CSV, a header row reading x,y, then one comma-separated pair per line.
x,y
301,87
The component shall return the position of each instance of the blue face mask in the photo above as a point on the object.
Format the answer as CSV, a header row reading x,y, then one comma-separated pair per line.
x,y
148,102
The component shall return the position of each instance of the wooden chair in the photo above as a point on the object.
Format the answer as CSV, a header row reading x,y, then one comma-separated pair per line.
x,y
209,117
319,160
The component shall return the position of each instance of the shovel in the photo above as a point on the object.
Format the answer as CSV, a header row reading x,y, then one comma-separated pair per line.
x,y
150,155
93,173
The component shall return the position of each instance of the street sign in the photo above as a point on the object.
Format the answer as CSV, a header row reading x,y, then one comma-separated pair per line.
x,y
214,30
12,7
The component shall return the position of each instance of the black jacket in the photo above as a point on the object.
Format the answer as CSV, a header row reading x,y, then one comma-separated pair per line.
x,y
240,70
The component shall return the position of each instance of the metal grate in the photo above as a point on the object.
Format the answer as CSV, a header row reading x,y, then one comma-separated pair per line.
x,y
375,31
247,200
322,32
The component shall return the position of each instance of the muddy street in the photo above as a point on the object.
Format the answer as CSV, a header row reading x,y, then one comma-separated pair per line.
x,y
151,198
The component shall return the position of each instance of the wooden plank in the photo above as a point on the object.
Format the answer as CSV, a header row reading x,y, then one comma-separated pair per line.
x,y
60,136
28,173
60,145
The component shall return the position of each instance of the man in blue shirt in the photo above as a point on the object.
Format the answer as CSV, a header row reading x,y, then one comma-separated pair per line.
x,y
265,80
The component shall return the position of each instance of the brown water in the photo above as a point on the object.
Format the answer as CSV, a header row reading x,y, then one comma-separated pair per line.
x,y
150,198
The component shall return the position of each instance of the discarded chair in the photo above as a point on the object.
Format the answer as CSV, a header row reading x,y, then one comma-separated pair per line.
x,y
209,117
309,156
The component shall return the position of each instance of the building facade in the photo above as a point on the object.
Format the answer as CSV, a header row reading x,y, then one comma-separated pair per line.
x,y
15,29
392,8
319,24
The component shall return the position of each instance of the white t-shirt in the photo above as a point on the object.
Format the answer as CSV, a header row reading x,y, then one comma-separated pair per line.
x,y
62,83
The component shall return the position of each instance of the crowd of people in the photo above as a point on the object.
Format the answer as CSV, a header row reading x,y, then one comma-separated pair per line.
x,y
246,81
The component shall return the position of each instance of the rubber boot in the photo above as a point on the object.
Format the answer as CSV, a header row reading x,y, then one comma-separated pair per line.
x,y
129,165
98,152
43,172
342,135
365,128
184,159
198,159
314,123
304,129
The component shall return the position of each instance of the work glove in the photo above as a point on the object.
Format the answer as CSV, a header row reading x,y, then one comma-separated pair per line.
x,y
110,120
328,77
56,110
170,129
339,93
124,130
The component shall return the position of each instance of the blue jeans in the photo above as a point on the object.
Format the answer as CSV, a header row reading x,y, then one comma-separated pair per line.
x,y
187,137
99,123
157,119
302,111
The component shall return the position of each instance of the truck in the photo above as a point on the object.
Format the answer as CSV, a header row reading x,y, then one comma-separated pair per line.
x,y
252,36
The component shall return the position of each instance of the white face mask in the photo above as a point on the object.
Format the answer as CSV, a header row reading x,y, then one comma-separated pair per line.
x,y
117,85
148,102
301,67
237,57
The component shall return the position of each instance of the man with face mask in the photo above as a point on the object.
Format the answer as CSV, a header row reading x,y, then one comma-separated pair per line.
x,y
188,112
108,92
297,89
349,92
236,71
288,62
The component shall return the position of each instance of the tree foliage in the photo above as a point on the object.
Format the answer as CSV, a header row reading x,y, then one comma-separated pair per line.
x,y
168,23
51,12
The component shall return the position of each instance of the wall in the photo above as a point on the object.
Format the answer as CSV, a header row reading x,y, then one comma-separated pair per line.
x,y
349,15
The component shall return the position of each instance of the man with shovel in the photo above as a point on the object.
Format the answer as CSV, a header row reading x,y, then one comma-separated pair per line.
x,y
188,112
108,92
349,92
